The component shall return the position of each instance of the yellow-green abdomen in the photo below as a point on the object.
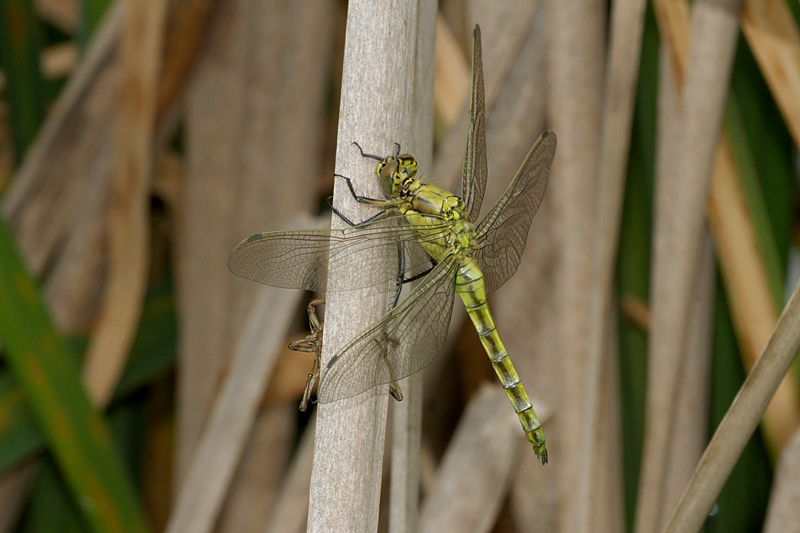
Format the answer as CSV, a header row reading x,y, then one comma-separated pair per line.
x,y
471,289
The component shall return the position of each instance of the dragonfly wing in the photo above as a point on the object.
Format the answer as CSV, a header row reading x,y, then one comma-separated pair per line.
x,y
289,259
473,176
402,342
503,232
300,259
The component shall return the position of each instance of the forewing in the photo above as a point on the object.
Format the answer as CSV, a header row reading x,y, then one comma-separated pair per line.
x,y
300,259
409,337
503,232
473,176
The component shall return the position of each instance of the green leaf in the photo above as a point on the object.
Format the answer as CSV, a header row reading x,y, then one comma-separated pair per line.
x,y
152,355
77,436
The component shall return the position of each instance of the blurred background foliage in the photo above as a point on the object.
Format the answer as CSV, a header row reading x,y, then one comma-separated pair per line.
x,y
41,45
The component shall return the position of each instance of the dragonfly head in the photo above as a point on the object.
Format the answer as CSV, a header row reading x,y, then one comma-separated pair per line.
x,y
395,173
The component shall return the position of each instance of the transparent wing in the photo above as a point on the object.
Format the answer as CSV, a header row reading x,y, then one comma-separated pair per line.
x,y
503,232
402,342
473,176
300,259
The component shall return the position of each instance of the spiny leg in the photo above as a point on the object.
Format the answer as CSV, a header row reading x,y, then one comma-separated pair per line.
x,y
394,387
311,344
385,204
377,157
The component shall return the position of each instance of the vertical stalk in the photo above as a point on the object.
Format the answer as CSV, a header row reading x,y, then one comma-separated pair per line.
x,y
375,110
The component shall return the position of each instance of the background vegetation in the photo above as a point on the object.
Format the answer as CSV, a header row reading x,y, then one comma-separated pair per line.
x,y
144,387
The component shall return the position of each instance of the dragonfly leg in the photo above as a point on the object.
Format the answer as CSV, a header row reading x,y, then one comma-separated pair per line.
x,y
421,274
312,343
363,199
371,156
385,204
313,318
402,281
379,216
401,268
394,390
394,387
311,381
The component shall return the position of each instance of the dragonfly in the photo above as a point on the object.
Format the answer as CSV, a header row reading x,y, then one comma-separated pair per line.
x,y
421,232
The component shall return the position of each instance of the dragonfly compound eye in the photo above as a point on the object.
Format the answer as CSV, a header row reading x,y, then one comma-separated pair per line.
x,y
387,170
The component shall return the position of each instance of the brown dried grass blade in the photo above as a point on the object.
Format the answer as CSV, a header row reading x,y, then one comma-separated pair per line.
x,y
291,506
134,132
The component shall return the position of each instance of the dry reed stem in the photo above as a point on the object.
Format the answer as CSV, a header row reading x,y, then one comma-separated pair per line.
x,y
406,418
477,468
375,109
263,464
773,36
290,509
407,415
714,32
627,24
740,421
206,483
576,66
692,406
783,512
132,166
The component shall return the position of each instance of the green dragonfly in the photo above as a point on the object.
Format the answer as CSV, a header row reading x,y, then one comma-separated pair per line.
x,y
422,231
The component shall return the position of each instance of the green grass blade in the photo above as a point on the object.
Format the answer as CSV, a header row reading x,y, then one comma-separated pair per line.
x,y
153,353
633,264
76,434
19,435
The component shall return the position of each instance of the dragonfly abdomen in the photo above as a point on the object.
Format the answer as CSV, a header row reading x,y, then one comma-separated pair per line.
x,y
471,289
